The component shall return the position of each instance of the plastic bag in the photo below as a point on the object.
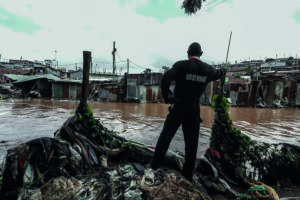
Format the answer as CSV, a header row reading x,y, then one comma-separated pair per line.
x,y
28,175
92,156
114,176
148,178
259,188
133,195
75,157
177,157
14,168
127,171
2,166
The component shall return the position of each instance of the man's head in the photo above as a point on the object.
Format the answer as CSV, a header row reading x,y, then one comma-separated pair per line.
x,y
194,50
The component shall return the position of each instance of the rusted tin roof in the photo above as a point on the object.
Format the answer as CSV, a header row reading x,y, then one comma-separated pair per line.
x,y
25,78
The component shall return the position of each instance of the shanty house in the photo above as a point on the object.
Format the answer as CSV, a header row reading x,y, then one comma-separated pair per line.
x,y
29,83
66,89
144,88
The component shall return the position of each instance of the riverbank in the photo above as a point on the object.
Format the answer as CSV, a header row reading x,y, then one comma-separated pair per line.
x,y
131,109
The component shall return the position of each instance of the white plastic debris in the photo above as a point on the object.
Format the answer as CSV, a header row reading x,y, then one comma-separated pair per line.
x,y
103,160
148,178
28,175
75,156
133,195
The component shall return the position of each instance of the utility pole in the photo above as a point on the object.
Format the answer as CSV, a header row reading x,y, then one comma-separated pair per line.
x,y
297,62
55,52
228,50
127,66
92,67
228,46
114,59
256,73
224,75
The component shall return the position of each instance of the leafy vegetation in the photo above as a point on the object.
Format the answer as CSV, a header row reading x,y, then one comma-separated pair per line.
x,y
87,124
237,75
249,70
147,71
232,145
273,162
192,6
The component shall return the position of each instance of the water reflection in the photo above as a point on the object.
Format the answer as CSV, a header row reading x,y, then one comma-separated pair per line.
x,y
22,120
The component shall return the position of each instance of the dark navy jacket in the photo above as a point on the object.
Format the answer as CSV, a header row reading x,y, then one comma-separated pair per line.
x,y
191,78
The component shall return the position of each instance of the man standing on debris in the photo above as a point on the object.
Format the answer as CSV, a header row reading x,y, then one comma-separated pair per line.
x,y
191,78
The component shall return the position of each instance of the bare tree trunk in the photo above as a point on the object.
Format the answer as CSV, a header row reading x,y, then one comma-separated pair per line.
x,y
85,80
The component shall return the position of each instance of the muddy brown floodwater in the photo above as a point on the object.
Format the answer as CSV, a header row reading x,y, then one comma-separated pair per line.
x,y
23,120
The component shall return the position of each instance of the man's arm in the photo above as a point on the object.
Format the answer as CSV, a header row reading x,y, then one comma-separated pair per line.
x,y
216,74
165,83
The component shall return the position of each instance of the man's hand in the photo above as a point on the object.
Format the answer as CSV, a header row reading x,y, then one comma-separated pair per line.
x,y
170,98
223,70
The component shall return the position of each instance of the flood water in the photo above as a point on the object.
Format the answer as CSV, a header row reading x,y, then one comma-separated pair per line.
x,y
23,120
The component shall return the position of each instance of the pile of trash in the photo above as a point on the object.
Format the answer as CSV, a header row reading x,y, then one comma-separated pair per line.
x,y
85,160
260,103
50,168
277,103
7,91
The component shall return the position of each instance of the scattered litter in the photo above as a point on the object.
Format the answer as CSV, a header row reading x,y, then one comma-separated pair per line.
x,y
28,175
103,160
92,155
148,178
133,195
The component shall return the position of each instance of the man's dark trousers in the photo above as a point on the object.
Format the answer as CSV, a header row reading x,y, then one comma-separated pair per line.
x,y
187,114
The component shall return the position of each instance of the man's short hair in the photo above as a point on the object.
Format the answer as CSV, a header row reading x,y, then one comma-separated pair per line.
x,y
194,49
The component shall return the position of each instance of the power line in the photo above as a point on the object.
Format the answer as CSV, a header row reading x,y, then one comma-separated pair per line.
x,y
79,63
70,64
212,2
119,57
207,9
137,65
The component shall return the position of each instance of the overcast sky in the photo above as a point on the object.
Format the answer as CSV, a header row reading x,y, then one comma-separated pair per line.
x,y
151,33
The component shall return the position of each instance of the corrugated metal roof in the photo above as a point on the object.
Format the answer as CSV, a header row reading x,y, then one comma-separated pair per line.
x,y
66,81
101,79
6,65
15,77
24,78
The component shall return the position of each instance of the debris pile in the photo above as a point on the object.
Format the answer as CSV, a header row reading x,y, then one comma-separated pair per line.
x,y
85,160
9,91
